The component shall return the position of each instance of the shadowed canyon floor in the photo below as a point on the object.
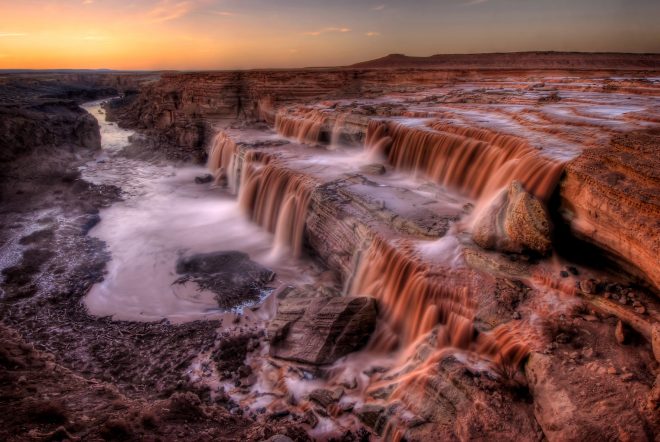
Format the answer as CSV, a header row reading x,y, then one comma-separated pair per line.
x,y
400,254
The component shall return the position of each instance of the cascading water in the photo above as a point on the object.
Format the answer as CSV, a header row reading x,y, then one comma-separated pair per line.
x,y
337,128
415,298
305,127
277,199
476,162
223,161
266,110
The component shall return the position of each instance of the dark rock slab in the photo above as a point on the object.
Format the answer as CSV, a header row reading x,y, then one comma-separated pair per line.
x,y
318,327
373,416
231,275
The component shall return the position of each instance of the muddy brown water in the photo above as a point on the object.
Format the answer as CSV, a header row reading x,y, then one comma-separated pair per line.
x,y
166,215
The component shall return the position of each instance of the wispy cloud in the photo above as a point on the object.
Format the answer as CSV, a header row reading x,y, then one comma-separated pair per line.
x,y
372,34
476,2
167,10
378,8
327,30
223,13
87,2
12,34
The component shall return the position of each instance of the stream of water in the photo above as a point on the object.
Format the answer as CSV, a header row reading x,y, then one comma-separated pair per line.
x,y
165,215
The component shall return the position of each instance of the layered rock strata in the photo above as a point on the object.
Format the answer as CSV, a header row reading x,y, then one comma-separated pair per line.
x,y
318,326
610,197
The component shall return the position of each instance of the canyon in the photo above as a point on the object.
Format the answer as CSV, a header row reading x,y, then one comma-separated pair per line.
x,y
442,248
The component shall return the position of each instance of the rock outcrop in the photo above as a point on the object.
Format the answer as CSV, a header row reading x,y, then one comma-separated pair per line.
x,y
610,198
320,326
514,221
24,129
573,413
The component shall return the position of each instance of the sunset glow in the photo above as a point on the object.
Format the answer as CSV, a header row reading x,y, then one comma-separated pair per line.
x,y
224,34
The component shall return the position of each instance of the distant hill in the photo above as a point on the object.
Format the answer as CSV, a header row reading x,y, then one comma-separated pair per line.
x,y
518,60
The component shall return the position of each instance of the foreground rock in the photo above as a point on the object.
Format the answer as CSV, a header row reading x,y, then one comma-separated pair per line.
x,y
514,222
568,407
231,275
319,327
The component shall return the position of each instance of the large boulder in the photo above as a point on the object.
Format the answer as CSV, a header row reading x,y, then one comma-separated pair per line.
x,y
515,221
320,326
232,276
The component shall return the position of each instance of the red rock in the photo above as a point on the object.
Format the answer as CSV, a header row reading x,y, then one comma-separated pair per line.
x,y
619,333
320,329
655,340
620,216
515,222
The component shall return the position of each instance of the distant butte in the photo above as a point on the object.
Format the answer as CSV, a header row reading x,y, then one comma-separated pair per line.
x,y
518,60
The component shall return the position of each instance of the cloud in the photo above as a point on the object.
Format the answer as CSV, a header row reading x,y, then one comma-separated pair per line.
x,y
167,10
94,37
87,2
12,34
224,13
378,8
476,2
327,30
372,34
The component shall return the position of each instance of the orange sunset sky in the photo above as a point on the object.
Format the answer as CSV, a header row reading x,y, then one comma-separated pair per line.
x,y
226,34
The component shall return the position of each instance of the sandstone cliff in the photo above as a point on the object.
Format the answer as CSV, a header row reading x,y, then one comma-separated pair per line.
x,y
610,197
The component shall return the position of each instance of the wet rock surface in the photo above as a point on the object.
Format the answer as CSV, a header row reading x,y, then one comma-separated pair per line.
x,y
232,276
570,410
318,327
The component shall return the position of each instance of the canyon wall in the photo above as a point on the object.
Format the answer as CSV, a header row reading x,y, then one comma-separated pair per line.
x,y
40,109
184,109
610,198
44,133
26,129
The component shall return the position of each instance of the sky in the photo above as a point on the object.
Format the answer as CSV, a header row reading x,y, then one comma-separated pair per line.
x,y
241,34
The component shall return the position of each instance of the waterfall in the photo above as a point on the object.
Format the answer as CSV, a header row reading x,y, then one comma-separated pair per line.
x,y
476,162
305,127
277,199
223,161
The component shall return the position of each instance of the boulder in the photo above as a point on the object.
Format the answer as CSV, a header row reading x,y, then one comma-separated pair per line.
x,y
231,275
373,169
320,326
325,397
515,221
373,416
203,179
